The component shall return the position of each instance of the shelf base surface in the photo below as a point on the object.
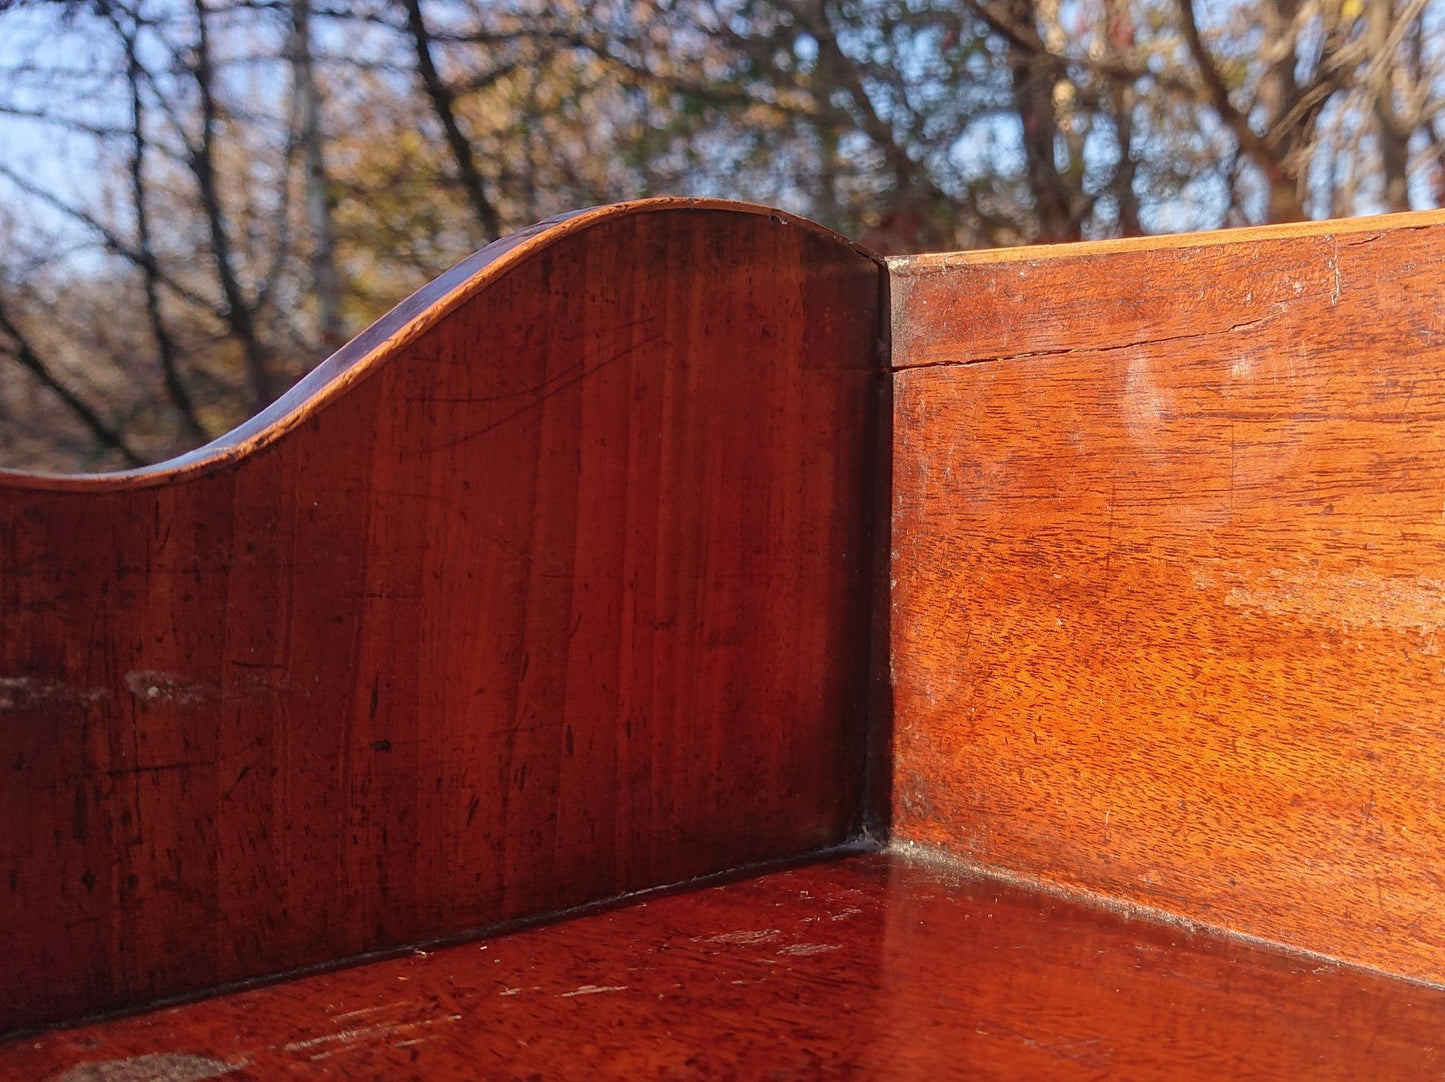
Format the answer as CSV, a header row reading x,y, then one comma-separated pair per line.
x,y
868,966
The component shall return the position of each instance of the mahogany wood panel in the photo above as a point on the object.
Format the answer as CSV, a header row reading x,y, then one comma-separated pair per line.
x,y
1169,563
553,587
867,968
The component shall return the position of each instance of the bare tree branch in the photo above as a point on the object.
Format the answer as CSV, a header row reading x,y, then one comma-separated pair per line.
x,y
306,104
238,312
150,269
25,354
443,103
110,239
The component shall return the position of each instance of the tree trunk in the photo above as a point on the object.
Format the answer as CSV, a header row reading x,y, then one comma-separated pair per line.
x,y
320,203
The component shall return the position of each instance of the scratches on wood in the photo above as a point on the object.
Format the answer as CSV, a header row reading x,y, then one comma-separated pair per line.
x,y
592,990
327,1045
1349,602
939,972
151,1067
744,937
19,693
154,686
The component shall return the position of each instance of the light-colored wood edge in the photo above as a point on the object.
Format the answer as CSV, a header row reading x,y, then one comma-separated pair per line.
x,y
909,265
391,334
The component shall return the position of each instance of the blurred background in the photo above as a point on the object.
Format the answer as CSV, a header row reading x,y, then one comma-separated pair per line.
x,y
201,199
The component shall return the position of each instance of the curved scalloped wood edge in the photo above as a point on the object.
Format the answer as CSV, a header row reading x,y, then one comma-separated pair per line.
x,y
360,357
553,587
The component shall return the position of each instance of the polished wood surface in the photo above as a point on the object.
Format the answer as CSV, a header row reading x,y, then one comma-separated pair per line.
x,y
568,580
965,307
554,586
1169,603
867,968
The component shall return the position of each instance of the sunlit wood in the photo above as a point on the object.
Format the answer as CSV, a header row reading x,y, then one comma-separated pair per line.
x,y
1072,614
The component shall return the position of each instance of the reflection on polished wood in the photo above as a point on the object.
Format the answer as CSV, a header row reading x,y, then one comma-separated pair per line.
x,y
868,967
572,578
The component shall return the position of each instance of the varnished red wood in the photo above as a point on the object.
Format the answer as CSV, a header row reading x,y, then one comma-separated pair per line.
x,y
553,587
564,581
965,307
867,968
1170,574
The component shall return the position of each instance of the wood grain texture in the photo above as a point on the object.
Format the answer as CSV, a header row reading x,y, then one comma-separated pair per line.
x,y
962,307
1169,563
552,588
867,968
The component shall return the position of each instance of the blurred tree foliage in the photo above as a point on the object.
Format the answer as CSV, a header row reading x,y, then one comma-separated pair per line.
x,y
200,199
